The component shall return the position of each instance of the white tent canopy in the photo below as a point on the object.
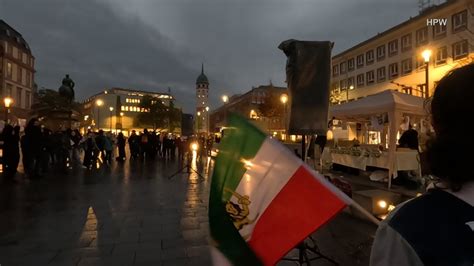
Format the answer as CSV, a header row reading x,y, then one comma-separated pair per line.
x,y
395,103
382,102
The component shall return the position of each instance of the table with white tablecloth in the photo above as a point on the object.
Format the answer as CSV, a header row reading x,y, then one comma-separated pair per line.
x,y
405,160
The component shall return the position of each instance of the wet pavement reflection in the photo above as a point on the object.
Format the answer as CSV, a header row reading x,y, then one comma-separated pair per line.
x,y
130,213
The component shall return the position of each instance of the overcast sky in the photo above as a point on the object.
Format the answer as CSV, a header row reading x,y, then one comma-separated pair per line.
x,y
156,44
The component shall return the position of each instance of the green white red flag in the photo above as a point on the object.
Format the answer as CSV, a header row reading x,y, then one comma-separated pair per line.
x,y
264,200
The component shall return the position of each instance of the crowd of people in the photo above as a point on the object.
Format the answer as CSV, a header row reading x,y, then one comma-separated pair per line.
x,y
42,149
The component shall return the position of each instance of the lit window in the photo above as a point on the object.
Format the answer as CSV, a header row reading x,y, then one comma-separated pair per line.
x,y
343,84
350,82
380,52
393,70
441,55
360,61
342,68
360,80
407,66
370,77
381,74
460,50
460,21
350,64
439,31
393,47
369,57
335,70
422,36
406,42
9,70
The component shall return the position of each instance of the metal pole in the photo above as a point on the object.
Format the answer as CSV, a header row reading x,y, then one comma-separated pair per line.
x,y
98,117
427,92
7,110
303,147
285,121
111,121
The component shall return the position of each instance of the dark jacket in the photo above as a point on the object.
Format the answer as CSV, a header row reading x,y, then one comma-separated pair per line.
x,y
434,229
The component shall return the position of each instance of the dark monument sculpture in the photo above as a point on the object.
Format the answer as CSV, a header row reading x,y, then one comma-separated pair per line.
x,y
67,89
307,76
67,92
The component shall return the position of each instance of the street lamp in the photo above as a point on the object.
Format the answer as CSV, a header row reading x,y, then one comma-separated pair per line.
x,y
99,103
198,118
351,87
121,122
284,100
111,117
426,54
207,119
8,102
225,99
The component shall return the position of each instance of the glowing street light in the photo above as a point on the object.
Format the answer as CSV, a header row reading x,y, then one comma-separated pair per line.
x,y
111,117
225,99
426,54
284,100
207,122
8,102
197,121
99,103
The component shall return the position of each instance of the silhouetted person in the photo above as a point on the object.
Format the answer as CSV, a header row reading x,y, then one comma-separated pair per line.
x,y
31,149
100,142
409,139
11,150
121,147
144,144
108,148
91,151
134,145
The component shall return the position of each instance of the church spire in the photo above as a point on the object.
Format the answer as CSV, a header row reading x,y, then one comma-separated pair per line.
x,y
202,68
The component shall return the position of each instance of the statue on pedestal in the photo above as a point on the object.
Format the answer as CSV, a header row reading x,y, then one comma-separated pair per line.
x,y
67,89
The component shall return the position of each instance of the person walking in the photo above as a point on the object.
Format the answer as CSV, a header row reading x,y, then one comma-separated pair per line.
x,y
11,150
91,151
108,148
100,142
437,228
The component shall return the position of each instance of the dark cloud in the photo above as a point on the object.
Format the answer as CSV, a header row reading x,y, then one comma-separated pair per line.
x,y
98,48
153,44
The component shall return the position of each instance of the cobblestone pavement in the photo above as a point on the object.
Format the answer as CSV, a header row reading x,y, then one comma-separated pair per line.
x,y
132,214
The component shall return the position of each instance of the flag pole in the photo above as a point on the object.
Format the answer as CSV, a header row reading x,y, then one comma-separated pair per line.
x,y
365,212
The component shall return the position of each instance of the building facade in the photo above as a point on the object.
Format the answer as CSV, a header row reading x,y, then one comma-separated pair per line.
x,y
17,71
116,109
394,58
202,104
251,105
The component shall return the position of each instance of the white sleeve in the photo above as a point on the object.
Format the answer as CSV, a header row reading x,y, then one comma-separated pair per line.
x,y
390,248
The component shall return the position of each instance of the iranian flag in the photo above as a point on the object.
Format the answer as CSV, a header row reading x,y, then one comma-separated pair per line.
x,y
264,200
